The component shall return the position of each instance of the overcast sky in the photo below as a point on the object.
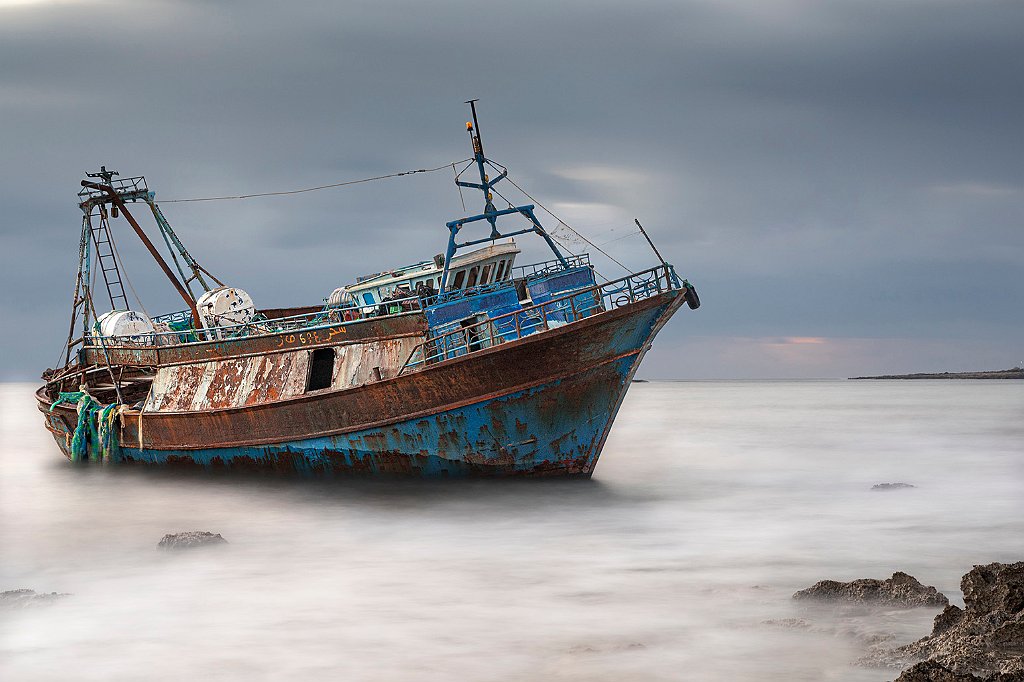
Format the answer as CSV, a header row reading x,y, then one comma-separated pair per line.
x,y
842,181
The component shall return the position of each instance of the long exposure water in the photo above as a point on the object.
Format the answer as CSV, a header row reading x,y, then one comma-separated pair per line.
x,y
712,504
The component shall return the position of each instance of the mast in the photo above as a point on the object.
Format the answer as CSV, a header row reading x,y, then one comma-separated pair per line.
x,y
116,193
490,213
478,156
179,287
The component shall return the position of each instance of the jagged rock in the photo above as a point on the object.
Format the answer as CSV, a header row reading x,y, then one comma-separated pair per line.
x,y
192,538
930,671
21,599
901,590
984,639
892,486
949,617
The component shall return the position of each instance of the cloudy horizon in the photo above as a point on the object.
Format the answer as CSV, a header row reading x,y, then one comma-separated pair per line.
x,y
842,181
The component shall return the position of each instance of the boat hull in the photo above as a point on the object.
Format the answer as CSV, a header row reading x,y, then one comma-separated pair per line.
x,y
540,405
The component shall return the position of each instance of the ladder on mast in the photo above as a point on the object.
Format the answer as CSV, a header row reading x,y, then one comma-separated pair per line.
x,y
107,260
100,232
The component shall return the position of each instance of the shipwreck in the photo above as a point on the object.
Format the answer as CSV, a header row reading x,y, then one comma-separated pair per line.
x,y
464,364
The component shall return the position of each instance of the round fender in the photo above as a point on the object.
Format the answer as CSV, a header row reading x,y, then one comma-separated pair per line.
x,y
691,297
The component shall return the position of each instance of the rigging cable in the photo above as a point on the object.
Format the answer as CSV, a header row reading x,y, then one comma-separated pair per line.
x,y
452,165
461,198
569,227
314,189
561,239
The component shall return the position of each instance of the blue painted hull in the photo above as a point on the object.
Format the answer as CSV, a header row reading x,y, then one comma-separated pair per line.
x,y
547,429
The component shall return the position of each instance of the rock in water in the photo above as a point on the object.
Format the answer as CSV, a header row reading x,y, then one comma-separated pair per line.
x,y
192,538
891,486
22,599
985,639
901,590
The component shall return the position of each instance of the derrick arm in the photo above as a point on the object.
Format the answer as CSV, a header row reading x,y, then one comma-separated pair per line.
x,y
115,198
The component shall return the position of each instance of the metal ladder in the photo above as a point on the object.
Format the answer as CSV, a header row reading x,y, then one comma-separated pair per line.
x,y
108,262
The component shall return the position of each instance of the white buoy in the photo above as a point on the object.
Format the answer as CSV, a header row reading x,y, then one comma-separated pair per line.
x,y
225,307
125,324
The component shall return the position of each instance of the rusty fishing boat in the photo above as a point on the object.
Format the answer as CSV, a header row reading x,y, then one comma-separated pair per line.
x,y
465,364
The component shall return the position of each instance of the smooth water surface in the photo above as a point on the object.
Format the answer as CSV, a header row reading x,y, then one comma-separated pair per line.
x,y
712,504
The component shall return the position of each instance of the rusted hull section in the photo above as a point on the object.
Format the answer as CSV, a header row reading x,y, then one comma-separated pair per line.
x,y
541,405
550,429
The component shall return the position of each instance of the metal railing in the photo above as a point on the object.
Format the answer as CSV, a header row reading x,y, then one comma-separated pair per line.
x,y
469,292
546,267
571,307
129,189
327,317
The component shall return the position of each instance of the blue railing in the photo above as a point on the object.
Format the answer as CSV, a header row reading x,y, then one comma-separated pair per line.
x,y
558,312
549,266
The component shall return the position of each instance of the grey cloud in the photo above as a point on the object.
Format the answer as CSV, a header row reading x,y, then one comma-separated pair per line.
x,y
795,158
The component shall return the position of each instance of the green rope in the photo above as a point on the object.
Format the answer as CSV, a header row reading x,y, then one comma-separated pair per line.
x,y
95,435
72,397
107,432
85,436
189,335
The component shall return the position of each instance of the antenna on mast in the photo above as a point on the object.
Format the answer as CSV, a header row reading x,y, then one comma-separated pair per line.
x,y
478,155
106,176
478,146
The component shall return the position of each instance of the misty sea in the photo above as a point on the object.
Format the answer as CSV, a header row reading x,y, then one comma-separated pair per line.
x,y
712,503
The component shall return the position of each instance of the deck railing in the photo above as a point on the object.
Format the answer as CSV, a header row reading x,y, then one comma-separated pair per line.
x,y
306,321
572,307
539,269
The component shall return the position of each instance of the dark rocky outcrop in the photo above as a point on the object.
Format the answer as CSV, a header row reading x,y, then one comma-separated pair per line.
x,y
983,641
192,538
930,671
23,598
901,590
892,486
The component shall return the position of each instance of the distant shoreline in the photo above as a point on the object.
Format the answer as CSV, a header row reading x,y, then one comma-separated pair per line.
x,y
1013,373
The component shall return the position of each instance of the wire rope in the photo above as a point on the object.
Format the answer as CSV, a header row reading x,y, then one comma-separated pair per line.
x,y
567,226
317,188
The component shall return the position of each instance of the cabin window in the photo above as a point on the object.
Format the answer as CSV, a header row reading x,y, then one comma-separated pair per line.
x,y
368,298
321,369
485,274
473,272
500,272
460,277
